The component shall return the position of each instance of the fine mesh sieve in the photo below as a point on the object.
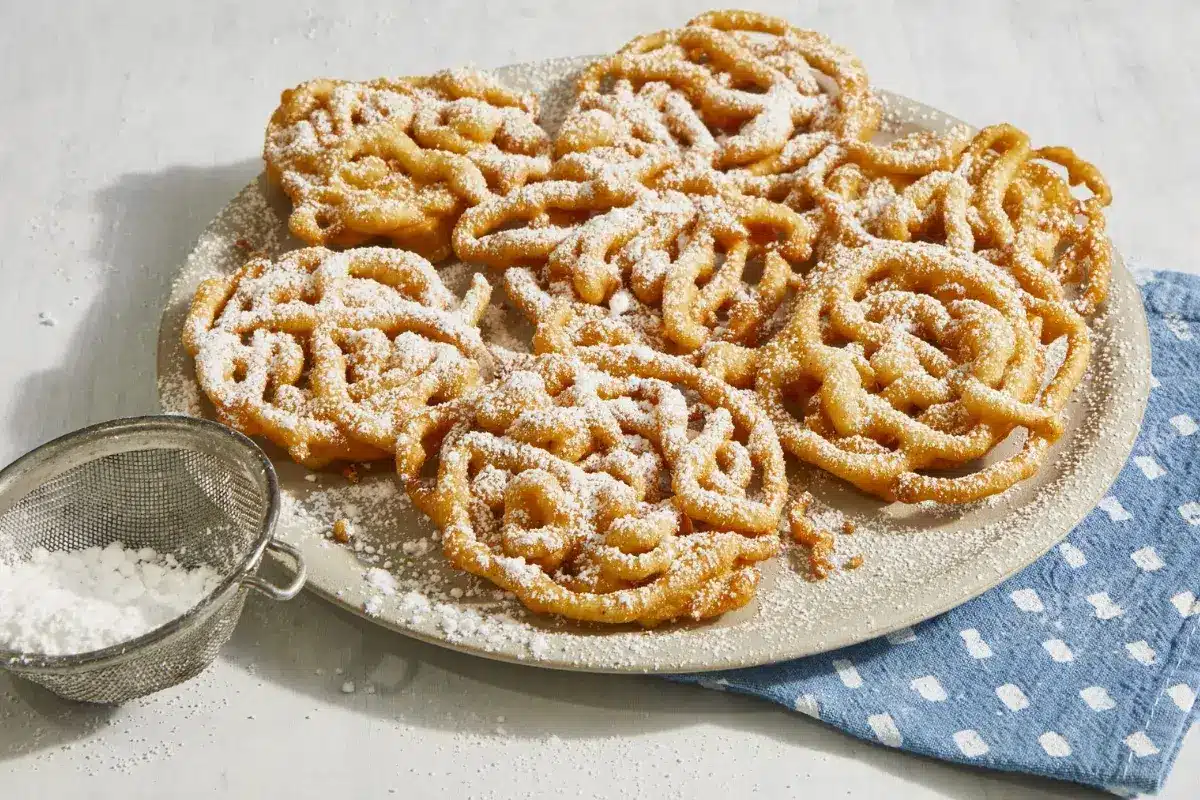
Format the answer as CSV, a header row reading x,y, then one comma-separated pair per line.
x,y
179,485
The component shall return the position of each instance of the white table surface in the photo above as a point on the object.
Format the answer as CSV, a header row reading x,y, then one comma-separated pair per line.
x,y
125,128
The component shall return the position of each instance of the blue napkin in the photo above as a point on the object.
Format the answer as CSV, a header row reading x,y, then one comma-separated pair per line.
x,y
1086,665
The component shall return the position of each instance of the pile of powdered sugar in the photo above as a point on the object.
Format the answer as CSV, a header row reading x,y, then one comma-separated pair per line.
x,y
69,602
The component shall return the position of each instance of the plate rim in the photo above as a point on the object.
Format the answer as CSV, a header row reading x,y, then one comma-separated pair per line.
x,y
933,598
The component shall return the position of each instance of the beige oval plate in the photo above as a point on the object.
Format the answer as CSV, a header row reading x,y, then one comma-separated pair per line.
x,y
918,561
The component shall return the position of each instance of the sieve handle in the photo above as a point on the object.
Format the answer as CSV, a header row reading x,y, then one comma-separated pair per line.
x,y
281,592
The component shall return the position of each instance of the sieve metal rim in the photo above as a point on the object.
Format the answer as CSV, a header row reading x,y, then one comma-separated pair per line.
x,y
141,431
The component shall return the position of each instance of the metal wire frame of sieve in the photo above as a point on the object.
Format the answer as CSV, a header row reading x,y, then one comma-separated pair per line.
x,y
183,486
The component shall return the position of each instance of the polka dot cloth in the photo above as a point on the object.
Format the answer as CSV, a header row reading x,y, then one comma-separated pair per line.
x,y
1086,665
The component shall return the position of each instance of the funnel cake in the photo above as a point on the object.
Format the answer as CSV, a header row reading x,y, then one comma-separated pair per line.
x,y
252,336
1026,218
400,159
616,485
562,324
710,267
901,358
692,257
730,90
992,194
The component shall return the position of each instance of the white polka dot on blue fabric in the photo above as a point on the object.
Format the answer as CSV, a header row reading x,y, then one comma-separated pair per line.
x,y
1012,697
970,743
1055,744
847,673
1028,600
1149,467
1098,698
1116,512
885,729
1147,559
975,644
929,688
1183,696
1104,605
1059,651
1184,425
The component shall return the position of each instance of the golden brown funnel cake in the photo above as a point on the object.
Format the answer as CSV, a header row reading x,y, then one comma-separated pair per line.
x,y
753,81
252,335
991,194
687,257
400,159
904,357
583,486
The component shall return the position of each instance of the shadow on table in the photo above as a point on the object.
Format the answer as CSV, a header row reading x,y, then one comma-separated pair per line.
x,y
148,224
32,719
312,647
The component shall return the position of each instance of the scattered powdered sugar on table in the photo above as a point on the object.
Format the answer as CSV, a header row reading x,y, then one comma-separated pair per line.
x,y
69,602
917,560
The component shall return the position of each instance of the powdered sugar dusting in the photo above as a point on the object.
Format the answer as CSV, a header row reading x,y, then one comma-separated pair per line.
x,y
918,560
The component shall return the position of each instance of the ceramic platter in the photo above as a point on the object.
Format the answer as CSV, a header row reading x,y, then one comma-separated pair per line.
x,y
918,561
